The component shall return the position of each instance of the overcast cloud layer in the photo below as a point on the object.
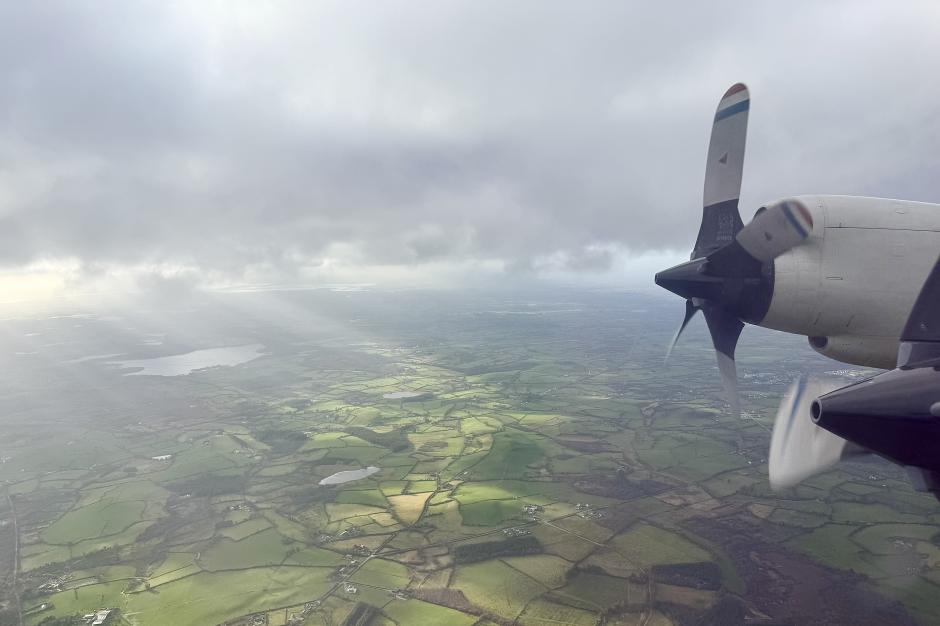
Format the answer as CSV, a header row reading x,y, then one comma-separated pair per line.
x,y
436,140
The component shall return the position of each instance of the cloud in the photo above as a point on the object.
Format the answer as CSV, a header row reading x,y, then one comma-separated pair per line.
x,y
293,140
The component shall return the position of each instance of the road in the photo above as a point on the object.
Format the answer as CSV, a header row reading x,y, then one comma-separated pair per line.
x,y
16,556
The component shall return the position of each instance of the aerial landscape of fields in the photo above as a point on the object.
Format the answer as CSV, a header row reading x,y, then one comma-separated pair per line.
x,y
367,457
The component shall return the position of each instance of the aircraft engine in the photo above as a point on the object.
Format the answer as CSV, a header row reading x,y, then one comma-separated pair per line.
x,y
893,414
867,351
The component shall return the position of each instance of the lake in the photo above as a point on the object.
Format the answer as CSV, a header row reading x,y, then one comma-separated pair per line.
x,y
182,364
344,477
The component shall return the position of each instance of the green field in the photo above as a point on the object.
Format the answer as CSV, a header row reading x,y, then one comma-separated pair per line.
x,y
267,547
100,519
553,474
645,545
417,613
497,587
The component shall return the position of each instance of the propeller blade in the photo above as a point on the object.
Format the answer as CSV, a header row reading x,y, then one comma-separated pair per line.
x,y
798,447
724,166
776,229
725,328
690,311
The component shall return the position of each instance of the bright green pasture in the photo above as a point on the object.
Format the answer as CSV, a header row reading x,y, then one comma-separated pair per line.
x,y
337,511
527,491
420,486
490,512
418,613
85,599
314,557
545,568
382,573
36,555
369,497
479,425
287,527
247,528
543,613
267,547
213,597
127,536
199,460
183,572
497,587
100,519
175,565
393,487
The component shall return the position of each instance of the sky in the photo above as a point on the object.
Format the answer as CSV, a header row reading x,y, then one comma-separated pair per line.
x,y
166,146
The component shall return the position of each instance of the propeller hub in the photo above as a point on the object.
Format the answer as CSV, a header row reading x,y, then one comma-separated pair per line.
x,y
741,286
690,280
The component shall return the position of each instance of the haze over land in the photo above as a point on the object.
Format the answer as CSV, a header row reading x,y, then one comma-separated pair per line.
x,y
341,314
551,469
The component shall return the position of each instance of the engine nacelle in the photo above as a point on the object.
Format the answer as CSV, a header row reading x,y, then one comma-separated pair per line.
x,y
852,283
878,352
893,414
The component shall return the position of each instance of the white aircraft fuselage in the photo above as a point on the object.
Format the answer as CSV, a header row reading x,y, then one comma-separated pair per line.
x,y
851,284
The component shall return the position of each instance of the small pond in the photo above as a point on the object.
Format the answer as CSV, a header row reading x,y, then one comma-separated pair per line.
x,y
344,477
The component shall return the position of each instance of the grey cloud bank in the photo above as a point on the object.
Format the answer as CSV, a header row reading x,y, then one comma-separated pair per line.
x,y
305,141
